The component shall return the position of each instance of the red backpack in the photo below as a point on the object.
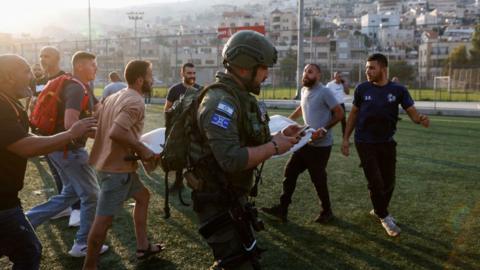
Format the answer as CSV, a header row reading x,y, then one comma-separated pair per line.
x,y
44,117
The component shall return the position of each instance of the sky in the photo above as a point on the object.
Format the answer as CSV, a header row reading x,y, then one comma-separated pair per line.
x,y
22,15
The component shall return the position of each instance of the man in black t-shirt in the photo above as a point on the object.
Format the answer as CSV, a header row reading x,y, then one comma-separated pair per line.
x,y
17,237
175,93
374,116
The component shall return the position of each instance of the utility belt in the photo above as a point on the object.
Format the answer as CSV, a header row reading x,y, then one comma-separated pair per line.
x,y
243,218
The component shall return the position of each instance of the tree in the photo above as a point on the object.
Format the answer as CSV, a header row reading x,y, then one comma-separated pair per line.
x,y
288,67
458,57
475,51
402,70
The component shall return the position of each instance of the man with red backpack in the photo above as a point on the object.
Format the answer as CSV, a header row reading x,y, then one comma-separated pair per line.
x,y
50,62
74,100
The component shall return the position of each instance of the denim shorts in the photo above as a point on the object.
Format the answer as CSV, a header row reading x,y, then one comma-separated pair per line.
x,y
115,189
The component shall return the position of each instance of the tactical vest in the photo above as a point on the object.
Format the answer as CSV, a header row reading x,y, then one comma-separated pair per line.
x,y
253,129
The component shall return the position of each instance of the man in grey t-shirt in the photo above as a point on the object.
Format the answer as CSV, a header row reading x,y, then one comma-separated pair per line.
x,y
321,111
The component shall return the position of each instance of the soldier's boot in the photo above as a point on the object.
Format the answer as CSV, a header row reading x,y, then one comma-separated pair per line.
x,y
278,211
325,217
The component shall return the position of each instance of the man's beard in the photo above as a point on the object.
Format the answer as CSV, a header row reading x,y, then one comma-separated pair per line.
x,y
373,79
146,87
190,81
308,82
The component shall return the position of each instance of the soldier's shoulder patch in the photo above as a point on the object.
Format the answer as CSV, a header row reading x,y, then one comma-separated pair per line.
x,y
220,121
226,108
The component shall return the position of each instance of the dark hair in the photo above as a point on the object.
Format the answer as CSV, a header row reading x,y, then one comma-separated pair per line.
x,y
81,55
190,65
136,69
114,76
316,66
380,58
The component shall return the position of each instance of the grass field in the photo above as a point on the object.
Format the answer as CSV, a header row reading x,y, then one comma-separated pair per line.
x,y
436,202
289,93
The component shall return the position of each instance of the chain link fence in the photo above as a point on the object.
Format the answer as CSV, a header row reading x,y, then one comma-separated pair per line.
x,y
168,53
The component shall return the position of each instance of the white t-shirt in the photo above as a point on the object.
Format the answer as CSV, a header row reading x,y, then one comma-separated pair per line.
x,y
337,90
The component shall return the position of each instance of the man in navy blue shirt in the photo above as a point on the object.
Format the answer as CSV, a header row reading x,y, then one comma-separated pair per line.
x,y
374,115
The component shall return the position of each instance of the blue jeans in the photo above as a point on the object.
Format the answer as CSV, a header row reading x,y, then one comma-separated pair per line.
x,y
58,181
79,182
18,240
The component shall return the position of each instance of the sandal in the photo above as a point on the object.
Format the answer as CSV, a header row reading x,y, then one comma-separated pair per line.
x,y
149,252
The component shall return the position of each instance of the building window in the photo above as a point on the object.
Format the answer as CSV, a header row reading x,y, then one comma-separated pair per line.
x,y
322,55
209,62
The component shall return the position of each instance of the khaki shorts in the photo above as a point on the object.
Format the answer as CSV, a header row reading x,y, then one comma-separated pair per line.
x,y
115,189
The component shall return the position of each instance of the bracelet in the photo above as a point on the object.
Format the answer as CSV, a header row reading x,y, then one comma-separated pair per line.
x,y
277,152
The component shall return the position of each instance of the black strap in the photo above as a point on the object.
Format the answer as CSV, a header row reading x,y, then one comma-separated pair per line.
x,y
166,207
12,104
258,179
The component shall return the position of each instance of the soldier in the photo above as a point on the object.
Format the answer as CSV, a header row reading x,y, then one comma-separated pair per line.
x,y
234,139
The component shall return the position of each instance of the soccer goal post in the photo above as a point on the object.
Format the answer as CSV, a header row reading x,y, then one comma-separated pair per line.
x,y
442,83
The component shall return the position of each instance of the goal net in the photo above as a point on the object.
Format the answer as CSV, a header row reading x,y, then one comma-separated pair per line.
x,y
442,83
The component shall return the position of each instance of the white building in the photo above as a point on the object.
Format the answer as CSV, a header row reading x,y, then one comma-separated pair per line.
x,y
433,53
458,34
443,6
371,23
392,37
282,27
416,4
428,19
389,6
361,8
239,18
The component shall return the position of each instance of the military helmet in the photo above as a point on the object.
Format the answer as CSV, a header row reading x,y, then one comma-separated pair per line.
x,y
247,49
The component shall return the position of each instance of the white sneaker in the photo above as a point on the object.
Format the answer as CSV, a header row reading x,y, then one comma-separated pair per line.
x,y
74,218
79,250
65,213
372,213
390,227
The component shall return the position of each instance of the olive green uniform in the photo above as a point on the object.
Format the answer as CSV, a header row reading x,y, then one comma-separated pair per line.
x,y
228,125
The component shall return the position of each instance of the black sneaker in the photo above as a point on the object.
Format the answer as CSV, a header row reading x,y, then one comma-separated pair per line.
x,y
277,211
324,217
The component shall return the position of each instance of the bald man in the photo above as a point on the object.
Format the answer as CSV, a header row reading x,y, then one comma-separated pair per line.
x,y
17,237
50,62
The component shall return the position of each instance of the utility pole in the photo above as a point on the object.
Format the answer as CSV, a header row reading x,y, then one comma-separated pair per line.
x,y
311,38
176,58
300,58
136,16
89,28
